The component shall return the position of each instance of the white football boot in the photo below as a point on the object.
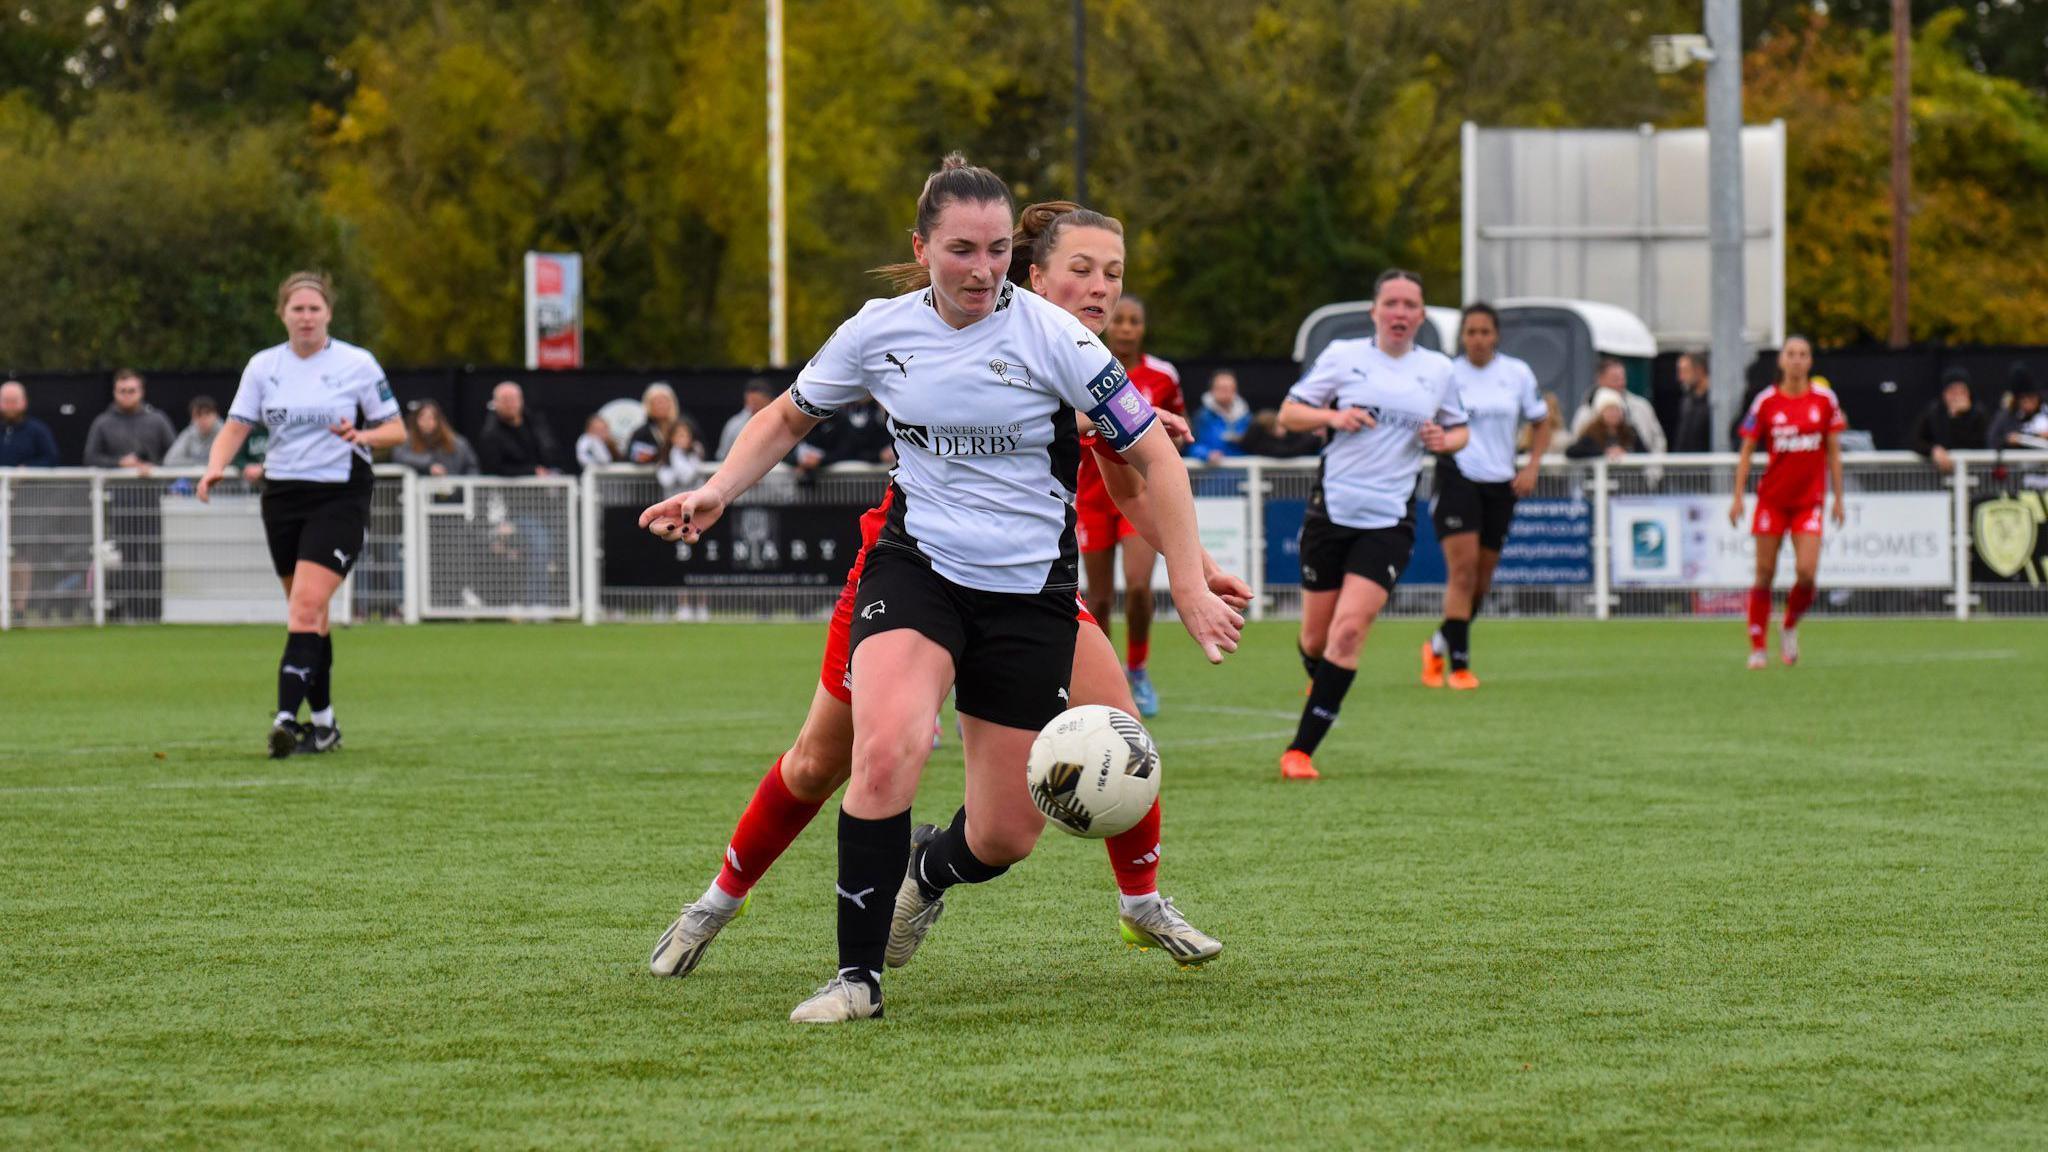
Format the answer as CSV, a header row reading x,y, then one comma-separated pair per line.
x,y
1160,925
840,1000
915,914
682,947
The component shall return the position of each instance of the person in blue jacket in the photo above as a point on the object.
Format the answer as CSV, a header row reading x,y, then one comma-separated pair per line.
x,y
25,442
1221,423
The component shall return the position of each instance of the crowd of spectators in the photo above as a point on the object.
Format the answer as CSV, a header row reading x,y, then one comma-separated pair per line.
x,y
658,433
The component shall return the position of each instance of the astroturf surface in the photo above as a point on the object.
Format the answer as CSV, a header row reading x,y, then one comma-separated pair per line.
x,y
1626,895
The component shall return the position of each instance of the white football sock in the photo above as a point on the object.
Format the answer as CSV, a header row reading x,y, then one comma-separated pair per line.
x,y
1437,645
720,899
1132,905
282,717
324,717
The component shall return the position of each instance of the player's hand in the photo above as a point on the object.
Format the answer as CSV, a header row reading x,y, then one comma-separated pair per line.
x,y
1840,513
346,429
1433,437
251,473
1351,420
1215,625
1735,513
1525,482
1228,588
686,517
206,483
1176,426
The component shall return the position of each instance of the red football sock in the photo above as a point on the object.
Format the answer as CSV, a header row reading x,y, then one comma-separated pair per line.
x,y
1134,856
1796,604
770,824
1136,653
1759,617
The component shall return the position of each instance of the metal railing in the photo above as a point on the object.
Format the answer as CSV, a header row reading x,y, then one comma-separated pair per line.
x,y
1635,536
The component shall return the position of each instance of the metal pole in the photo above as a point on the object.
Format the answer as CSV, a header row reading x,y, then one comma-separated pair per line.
x,y
1959,482
1902,168
778,205
1602,546
1724,192
1255,488
99,550
6,553
1081,101
592,546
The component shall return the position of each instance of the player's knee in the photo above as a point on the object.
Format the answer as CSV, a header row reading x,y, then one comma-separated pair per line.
x,y
1137,601
303,616
884,761
1098,606
1348,636
812,772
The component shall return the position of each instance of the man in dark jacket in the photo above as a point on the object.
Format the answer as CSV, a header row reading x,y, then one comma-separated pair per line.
x,y
25,442
1952,421
1695,405
515,442
130,433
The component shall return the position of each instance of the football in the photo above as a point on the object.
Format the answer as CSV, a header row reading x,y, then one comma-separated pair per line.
x,y
1094,771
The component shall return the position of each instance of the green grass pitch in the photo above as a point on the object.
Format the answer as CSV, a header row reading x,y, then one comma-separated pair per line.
x,y
1627,895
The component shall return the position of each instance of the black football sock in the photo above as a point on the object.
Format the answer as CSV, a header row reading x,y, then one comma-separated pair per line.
x,y
1309,663
318,695
295,671
1325,699
947,861
872,857
1458,640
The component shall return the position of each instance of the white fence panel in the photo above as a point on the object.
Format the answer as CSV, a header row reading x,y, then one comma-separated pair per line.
x,y
498,548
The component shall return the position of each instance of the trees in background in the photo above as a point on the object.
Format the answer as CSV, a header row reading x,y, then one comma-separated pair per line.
x,y
164,165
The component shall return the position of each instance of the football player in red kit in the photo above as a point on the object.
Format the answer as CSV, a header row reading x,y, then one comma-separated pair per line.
x,y
1802,423
1099,528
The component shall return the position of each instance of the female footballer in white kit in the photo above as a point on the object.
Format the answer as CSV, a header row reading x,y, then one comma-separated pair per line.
x,y
971,585
1476,487
1386,403
326,404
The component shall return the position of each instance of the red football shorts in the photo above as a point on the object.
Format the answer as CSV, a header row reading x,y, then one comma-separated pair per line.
x,y
1775,519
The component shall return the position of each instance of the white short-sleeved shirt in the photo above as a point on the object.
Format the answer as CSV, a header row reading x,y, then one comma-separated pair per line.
x,y
1496,399
1368,476
984,430
300,400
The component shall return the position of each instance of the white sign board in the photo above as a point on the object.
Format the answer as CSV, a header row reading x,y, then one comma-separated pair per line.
x,y
1621,217
216,565
1223,523
1892,540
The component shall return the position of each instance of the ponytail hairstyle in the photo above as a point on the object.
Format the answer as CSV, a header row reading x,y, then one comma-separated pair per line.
x,y
956,181
317,281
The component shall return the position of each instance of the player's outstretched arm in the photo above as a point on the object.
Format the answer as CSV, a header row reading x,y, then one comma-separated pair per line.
x,y
1127,491
766,439
1840,510
1214,624
228,441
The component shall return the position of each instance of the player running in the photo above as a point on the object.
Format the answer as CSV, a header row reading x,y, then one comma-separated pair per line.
x,y
1074,258
1100,526
970,585
1477,487
1804,422
325,404
1385,403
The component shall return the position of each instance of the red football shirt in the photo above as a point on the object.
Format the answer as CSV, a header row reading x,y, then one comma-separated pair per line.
x,y
1794,430
1160,382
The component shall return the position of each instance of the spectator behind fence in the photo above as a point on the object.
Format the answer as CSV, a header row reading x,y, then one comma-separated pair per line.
x,y
649,442
515,442
1641,417
759,394
1266,438
25,442
432,447
2021,417
684,462
191,447
130,433
594,447
1222,420
1953,421
1611,434
1695,405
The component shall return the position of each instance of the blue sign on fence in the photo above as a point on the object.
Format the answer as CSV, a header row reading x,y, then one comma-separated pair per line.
x,y
1550,542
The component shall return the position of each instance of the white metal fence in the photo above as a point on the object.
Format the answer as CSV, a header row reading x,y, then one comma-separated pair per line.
x,y
1639,536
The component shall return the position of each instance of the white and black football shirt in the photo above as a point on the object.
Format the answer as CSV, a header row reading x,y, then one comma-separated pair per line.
x,y
983,423
299,400
1368,476
1496,398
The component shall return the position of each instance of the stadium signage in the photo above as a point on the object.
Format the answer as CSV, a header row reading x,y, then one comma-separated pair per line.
x,y
1892,540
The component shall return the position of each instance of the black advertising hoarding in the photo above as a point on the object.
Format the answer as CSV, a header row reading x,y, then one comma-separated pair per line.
x,y
751,546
